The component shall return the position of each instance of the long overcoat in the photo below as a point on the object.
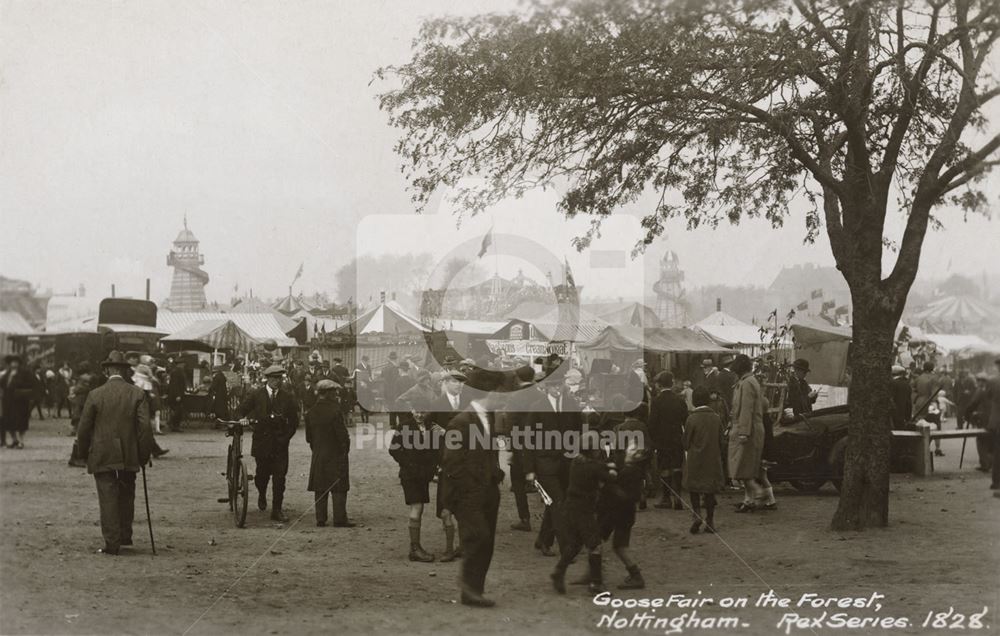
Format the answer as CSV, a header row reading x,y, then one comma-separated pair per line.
x,y
327,436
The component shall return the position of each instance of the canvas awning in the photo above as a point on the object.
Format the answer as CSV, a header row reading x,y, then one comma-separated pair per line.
x,y
958,344
660,339
815,331
217,334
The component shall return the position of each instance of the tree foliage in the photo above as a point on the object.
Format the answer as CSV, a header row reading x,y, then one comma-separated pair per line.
x,y
735,106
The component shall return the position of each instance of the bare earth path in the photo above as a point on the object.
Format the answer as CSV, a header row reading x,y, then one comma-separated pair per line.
x,y
940,551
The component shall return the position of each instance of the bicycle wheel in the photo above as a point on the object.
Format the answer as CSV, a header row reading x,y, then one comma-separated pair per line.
x,y
240,495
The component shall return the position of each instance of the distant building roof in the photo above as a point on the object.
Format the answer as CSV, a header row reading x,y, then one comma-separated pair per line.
x,y
14,324
624,313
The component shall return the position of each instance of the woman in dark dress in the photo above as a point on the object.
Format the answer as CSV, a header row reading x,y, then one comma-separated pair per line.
x,y
17,387
329,473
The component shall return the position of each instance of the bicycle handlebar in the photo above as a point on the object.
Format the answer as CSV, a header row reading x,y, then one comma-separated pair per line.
x,y
233,425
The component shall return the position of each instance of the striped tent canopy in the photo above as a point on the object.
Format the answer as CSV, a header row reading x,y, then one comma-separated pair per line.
x,y
956,313
385,318
214,334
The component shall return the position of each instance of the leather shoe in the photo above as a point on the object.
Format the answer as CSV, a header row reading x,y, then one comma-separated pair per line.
x,y
161,452
344,524
262,501
544,550
476,600
448,556
108,551
559,582
278,515
523,525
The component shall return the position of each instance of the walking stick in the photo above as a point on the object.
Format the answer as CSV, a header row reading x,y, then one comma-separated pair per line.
x,y
149,517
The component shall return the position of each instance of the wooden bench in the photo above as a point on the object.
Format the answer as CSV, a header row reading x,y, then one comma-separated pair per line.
x,y
922,437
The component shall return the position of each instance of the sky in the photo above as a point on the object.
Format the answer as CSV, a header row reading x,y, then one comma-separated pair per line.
x,y
258,121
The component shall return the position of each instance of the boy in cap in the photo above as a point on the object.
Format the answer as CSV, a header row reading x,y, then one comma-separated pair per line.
x,y
587,473
276,416
413,450
327,436
453,400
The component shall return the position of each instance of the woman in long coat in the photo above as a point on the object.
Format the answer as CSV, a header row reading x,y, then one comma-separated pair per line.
x,y
703,474
746,438
330,442
17,387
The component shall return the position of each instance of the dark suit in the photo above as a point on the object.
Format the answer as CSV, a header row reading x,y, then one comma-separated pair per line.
x,y
518,413
550,465
440,415
667,415
275,421
390,391
176,388
902,402
116,439
797,397
219,394
330,442
474,475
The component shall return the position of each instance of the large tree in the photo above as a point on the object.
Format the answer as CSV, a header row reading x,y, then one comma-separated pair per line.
x,y
725,110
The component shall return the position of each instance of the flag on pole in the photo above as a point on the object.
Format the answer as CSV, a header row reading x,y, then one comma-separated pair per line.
x,y
802,306
568,274
841,311
487,241
298,274
830,304
816,293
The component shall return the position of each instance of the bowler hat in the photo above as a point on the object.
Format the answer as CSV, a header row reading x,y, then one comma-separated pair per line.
x,y
898,370
727,360
327,385
801,363
115,359
12,358
273,370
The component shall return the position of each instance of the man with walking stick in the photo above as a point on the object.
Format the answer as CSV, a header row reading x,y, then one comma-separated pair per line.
x,y
115,439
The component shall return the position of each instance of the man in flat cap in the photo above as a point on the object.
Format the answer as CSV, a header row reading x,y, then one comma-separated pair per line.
x,y
444,407
276,416
472,468
330,442
115,439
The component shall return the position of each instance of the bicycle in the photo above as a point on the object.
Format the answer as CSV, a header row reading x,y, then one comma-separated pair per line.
x,y
237,479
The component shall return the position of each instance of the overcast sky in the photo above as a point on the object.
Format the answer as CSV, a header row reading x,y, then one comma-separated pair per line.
x,y
258,121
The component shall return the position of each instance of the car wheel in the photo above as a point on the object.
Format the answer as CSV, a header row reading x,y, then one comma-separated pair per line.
x,y
807,485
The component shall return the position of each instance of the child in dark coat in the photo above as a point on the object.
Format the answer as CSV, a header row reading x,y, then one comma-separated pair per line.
x,y
587,473
703,472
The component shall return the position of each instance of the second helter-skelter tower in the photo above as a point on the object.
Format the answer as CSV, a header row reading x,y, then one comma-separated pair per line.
x,y
187,289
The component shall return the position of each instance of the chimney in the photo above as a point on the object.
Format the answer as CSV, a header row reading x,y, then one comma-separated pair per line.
x,y
718,304
147,289
381,297
112,290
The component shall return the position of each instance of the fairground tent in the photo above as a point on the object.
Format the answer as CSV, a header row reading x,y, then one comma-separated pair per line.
x,y
958,345
384,318
260,326
633,314
622,345
953,314
825,346
733,333
212,335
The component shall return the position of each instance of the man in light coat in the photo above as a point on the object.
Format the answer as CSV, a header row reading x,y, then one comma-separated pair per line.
x,y
115,439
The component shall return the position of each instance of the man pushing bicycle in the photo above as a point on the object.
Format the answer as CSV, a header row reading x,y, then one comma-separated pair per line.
x,y
274,409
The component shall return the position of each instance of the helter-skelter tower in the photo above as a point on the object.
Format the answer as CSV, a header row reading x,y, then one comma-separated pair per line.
x,y
671,307
187,290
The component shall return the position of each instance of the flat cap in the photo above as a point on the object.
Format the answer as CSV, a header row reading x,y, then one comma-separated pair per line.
x,y
327,385
274,369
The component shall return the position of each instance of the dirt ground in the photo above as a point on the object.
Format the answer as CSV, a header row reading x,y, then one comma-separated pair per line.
x,y
210,577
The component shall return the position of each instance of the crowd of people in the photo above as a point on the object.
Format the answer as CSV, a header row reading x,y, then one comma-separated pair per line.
x,y
701,436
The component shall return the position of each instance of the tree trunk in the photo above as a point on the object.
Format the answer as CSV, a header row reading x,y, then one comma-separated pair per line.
x,y
864,496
